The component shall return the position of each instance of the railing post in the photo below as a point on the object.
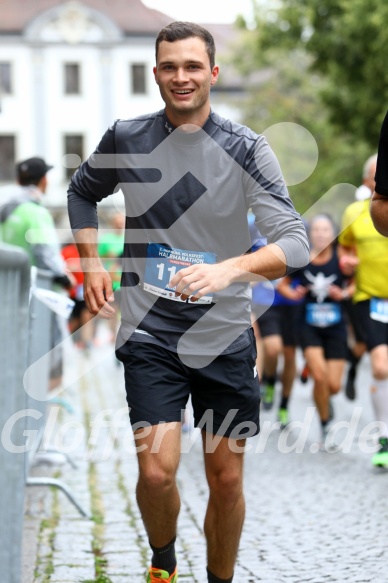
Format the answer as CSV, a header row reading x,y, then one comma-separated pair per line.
x,y
39,361
14,326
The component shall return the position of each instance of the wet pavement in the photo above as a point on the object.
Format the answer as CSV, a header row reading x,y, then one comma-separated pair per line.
x,y
312,516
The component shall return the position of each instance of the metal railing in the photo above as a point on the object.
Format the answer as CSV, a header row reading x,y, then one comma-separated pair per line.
x,y
38,376
36,380
14,325
25,345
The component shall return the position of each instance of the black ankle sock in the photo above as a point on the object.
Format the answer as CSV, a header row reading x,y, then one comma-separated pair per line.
x,y
353,359
213,579
284,403
164,557
268,380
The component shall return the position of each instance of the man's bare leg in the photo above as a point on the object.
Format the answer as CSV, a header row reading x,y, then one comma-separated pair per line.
x,y
157,494
226,508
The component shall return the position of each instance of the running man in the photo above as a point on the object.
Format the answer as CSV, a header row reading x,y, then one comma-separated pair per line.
x,y
379,202
360,238
278,329
188,177
357,345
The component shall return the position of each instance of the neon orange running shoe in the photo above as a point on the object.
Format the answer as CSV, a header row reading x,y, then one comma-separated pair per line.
x,y
156,575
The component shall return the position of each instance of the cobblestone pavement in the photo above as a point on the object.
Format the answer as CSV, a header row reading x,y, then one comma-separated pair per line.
x,y
314,517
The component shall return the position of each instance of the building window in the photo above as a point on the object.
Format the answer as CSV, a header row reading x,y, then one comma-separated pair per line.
x,y
72,79
7,158
5,78
74,145
138,79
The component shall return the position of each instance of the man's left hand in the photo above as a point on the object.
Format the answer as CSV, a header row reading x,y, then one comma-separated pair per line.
x,y
203,279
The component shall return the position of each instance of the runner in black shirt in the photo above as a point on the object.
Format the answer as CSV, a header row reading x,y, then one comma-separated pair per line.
x,y
323,333
379,201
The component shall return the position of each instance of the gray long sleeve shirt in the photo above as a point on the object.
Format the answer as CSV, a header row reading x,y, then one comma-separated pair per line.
x,y
186,198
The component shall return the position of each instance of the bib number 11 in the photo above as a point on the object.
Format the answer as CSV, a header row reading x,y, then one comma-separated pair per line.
x,y
163,263
161,267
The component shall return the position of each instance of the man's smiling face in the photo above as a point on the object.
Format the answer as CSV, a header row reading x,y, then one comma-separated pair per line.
x,y
184,76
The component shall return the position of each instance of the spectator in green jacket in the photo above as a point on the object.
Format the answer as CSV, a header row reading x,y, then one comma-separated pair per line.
x,y
24,222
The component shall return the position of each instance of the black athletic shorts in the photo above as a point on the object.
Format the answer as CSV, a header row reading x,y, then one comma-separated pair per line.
x,y
225,394
281,321
356,323
376,333
332,339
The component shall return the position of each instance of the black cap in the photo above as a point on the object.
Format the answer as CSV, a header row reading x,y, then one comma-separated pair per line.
x,y
32,169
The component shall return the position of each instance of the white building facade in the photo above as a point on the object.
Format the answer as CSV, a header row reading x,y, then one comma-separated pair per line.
x,y
66,73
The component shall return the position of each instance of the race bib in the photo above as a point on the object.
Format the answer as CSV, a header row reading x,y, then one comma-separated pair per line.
x,y
163,263
378,310
323,315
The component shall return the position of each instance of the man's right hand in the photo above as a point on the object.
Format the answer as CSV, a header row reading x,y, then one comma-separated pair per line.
x,y
348,263
98,294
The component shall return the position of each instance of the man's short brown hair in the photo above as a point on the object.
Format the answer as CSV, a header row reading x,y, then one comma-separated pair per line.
x,y
182,30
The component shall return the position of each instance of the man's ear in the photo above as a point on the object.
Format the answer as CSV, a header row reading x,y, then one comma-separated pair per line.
x,y
156,75
215,73
42,184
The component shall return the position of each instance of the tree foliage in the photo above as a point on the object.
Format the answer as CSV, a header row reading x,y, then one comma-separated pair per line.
x,y
293,74
347,41
291,94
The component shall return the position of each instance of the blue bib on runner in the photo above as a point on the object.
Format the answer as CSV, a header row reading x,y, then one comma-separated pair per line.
x,y
163,263
323,315
378,310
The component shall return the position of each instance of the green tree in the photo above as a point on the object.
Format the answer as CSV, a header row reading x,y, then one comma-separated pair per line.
x,y
347,41
285,86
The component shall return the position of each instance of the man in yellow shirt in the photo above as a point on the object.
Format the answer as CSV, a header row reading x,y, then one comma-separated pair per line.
x,y
360,238
358,349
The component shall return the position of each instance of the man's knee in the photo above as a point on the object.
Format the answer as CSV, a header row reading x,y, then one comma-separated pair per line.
x,y
380,371
319,375
380,364
335,386
380,368
226,485
273,349
157,476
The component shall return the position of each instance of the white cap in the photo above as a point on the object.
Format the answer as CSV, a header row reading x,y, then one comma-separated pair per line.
x,y
363,192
